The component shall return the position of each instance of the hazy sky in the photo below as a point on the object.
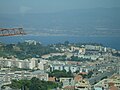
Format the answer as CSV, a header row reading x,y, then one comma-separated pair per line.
x,y
40,6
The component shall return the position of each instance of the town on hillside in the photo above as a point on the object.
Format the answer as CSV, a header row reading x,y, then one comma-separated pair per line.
x,y
31,65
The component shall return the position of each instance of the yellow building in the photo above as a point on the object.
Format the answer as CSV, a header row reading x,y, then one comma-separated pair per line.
x,y
83,85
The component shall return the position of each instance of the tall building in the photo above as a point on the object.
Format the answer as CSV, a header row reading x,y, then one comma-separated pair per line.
x,y
32,63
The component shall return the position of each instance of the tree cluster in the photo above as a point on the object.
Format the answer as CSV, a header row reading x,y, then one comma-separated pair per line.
x,y
58,74
76,58
25,50
33,84
60,58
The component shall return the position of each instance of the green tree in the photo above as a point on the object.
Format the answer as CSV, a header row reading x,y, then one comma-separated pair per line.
x,y
37,84
62,73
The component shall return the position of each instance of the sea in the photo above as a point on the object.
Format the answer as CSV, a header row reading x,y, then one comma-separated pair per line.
x,y
111,42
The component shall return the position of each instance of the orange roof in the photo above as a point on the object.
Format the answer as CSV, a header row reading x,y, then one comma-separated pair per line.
x,y
113,88
78,78
51,79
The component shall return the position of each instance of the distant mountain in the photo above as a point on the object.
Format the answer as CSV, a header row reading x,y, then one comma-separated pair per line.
x,y
80,22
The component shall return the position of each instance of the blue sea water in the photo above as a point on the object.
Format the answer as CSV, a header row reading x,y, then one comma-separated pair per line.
x,y
112,42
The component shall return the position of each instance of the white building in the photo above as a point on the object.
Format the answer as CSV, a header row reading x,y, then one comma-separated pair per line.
x,y
41,66
83,85
82,69
25,64
67,68
31,42
8,63
41,75
57,67
32,63
67,82
93,47
20,64
74,68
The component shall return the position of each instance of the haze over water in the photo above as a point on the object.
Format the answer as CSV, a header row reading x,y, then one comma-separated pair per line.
x,y
95,21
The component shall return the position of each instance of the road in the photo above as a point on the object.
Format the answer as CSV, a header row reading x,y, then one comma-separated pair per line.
x,y
97,78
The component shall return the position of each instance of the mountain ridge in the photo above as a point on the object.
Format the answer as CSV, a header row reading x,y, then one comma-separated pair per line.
x,y
76,22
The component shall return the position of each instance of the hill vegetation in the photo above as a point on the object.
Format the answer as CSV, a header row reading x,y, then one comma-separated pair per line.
x,y
33,84
24,50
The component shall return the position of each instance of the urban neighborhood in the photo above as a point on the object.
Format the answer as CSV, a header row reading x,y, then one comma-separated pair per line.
x,y
69,66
